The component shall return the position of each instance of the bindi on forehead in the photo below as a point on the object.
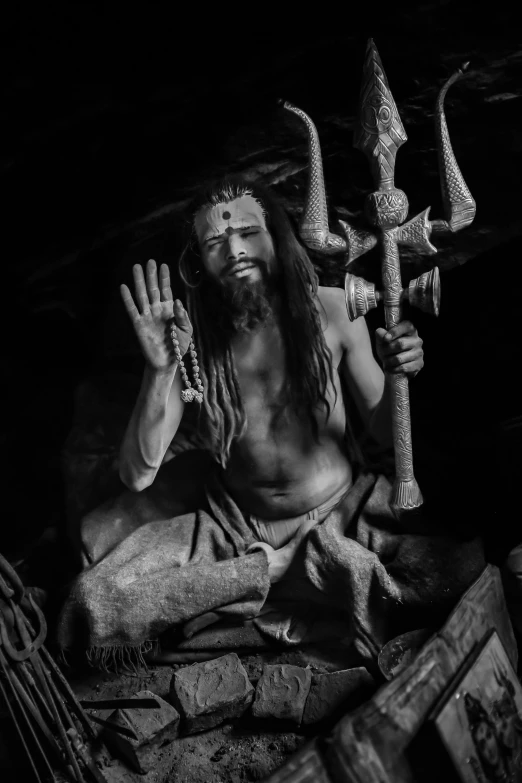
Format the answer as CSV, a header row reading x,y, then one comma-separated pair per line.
x,y
217,220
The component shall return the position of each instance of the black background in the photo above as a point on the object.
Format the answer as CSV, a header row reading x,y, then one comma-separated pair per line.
x,y
113,116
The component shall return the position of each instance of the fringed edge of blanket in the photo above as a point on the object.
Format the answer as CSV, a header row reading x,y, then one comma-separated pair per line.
x,y
120,658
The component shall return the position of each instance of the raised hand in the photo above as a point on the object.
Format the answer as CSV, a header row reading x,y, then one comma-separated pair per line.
x,y
152,313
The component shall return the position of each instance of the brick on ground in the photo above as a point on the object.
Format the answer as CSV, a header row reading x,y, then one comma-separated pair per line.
x,y
281,692
211,692
330,693
152,728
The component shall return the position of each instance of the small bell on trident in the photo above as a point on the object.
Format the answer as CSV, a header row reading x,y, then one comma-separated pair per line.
x,y
379,133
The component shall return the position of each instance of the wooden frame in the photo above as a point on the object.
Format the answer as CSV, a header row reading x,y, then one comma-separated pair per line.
x,y
369,744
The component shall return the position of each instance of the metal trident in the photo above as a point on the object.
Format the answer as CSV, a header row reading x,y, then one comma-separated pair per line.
x,y
379,133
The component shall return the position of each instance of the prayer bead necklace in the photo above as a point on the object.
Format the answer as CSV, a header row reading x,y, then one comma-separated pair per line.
x,y
189,394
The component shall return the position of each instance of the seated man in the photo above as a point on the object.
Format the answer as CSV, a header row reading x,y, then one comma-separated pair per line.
x,y
274,360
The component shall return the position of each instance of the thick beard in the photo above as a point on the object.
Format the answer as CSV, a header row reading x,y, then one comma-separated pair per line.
x,y
240,308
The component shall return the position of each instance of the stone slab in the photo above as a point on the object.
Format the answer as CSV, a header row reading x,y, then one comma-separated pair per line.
x,y
281,692
211,692
335,691
152,728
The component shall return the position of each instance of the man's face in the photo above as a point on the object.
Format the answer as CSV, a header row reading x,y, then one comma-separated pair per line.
x,y
236,247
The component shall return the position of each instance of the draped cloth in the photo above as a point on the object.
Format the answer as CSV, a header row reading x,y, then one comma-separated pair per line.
x,y
148,571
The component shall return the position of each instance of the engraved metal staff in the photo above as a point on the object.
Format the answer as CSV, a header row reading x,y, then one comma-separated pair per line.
x,y
379,134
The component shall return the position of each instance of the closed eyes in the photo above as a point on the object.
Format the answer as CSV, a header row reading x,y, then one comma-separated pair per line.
x,y
213,241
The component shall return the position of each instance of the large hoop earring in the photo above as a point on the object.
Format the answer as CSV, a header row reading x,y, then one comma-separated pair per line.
x,y
182,267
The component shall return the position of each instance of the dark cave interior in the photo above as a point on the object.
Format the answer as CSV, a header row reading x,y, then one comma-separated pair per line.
x,y
113,118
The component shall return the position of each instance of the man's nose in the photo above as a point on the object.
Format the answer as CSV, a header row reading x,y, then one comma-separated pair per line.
x,y
236,247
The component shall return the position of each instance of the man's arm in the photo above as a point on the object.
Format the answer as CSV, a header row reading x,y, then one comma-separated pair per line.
x,y
152,427
399,350
365,379
159,408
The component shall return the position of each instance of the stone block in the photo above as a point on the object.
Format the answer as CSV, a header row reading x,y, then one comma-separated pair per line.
x,y
211,692
281,692
152,728
333,693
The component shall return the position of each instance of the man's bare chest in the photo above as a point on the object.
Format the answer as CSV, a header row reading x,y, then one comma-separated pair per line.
x,y
266,376
262,373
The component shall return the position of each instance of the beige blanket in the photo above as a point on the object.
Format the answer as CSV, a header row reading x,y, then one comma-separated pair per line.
x,y
148,570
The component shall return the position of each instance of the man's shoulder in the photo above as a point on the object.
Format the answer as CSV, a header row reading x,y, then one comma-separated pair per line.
x,y
332,302
331,297
333,306
332,311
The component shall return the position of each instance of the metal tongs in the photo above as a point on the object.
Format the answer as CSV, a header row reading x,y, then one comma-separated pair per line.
x,y
119,704
54,730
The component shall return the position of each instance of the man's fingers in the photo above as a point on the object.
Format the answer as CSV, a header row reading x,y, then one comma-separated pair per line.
x,y
140,288
181,316
380,336
400,359
407,343
165,289
405,327
128,301
152,282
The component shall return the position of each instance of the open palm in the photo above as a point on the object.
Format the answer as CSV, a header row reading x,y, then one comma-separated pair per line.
x,y
153,313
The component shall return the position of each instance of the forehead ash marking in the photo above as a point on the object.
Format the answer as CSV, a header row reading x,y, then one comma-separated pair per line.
x,y
215,220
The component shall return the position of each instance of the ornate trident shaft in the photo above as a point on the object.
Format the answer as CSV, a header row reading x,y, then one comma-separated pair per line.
x,y
379,134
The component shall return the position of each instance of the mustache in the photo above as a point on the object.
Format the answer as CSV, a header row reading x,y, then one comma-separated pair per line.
x,y
254,260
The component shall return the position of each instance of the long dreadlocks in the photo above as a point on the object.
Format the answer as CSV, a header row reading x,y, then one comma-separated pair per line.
x,y
309,360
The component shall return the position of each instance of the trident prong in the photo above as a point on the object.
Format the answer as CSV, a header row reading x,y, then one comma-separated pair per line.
x,y
313,226
379,134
